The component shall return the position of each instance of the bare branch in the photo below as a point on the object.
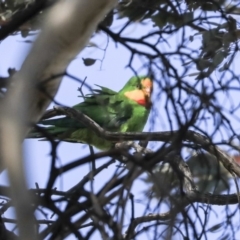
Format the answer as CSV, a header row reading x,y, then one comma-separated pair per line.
x,y
190,196
168,136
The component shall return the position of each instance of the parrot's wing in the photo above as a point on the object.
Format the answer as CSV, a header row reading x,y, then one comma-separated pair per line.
x,y
104,90
104,106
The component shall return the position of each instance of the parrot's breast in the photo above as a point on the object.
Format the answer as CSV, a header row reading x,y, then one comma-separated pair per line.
x,y
137,121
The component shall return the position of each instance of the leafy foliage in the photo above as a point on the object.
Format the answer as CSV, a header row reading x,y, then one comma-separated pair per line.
x,y
209,176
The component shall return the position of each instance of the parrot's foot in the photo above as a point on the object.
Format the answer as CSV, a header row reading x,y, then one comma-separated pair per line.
x,y
124,145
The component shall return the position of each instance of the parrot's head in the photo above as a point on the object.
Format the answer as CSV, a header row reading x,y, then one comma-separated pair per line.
x,y
139,89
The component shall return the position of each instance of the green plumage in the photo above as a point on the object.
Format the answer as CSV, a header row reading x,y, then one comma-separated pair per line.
x,y
111,110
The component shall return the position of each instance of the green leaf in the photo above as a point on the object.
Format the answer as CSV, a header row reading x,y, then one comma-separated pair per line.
x,y
160,19
182,19
89,61
163,18
225,66
108,20
216,227
92,44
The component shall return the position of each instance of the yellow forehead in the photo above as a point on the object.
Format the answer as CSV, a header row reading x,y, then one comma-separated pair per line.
x,y
147,82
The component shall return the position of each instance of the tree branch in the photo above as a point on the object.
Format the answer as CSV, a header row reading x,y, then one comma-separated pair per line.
x,y
23,16
191,195
167,136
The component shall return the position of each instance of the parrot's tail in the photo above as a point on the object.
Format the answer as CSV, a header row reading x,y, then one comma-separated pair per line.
x,y
35,134
38,133
45,132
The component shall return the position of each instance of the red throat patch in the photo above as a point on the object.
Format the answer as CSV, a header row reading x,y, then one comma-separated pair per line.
x,y
142,102
139,97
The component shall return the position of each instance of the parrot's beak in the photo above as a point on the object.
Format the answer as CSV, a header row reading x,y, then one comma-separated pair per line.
x,y
147,87
147,91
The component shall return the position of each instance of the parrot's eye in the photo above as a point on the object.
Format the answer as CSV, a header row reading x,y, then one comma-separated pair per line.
x,y
139,86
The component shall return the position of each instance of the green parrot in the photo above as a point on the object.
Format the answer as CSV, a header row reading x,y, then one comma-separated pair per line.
x,y
123,111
